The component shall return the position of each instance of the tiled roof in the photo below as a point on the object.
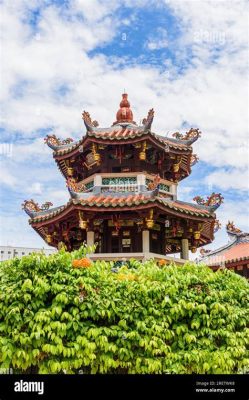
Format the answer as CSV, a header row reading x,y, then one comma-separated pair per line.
x,y
132,200
240,250
119,133
236,252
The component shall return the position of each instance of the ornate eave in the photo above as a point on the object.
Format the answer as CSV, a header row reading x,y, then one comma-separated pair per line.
x,y
119,134
104,202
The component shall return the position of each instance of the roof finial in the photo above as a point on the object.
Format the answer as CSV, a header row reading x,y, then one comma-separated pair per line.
x,y
124,114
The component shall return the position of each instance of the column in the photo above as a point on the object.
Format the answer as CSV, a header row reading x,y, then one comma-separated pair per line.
x,y
173,190
146,241
90,238
97,183
185,249
141,182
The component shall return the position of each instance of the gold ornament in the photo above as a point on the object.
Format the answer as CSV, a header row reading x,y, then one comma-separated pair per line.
x,y
96,155
48,238
83,223
176,166
69,171
142,154
197,235
150,221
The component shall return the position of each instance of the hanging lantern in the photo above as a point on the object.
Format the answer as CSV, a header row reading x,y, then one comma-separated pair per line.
x,y
69,171
96,155
142,154
176,167
197,235
150,220
48,238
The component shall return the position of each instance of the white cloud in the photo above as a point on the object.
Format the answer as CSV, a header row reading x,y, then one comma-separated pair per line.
x,y
158,41
233,179
6,177
35,188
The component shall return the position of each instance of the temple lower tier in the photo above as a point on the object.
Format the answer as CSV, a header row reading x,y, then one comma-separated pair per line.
x,y
127,224
134,240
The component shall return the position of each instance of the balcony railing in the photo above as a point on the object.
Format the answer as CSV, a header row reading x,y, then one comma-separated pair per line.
x,y
120,188
133,182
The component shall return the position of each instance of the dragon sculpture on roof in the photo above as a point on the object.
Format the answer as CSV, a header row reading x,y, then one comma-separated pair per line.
x,y
194,160
88,121
230,227
214,201
147,122
31,207
190,137
53,142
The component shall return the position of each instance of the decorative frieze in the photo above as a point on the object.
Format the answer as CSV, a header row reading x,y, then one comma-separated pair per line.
x,y
119,181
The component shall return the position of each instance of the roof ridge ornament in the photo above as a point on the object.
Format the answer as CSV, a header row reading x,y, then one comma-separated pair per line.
x,y
231,228
213,201
75,187
147,122
88,121
190,137
194,159
54,142
217,225
30,207
204,252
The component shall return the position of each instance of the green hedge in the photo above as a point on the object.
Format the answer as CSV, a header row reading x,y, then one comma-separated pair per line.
x,y
138,319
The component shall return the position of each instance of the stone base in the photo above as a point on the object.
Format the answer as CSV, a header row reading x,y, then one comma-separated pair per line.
x,y
138,256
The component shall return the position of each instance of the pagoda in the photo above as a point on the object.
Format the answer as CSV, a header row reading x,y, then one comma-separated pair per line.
x,y
122,182
233,255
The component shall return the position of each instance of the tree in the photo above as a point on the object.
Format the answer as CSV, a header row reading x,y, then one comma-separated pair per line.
x,y
62,313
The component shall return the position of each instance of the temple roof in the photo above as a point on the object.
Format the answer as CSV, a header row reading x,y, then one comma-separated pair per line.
x,y
123,129
235,250
128,201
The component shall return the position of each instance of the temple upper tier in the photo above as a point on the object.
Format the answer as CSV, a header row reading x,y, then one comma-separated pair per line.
x,y
125,147
122,182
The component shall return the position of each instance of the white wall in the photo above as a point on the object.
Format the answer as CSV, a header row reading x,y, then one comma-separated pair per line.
x,y
8,252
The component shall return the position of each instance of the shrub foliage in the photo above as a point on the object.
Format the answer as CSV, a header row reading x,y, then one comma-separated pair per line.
x,y
62,316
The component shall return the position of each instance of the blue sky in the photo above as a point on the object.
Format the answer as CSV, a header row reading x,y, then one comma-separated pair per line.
x,y
187,59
